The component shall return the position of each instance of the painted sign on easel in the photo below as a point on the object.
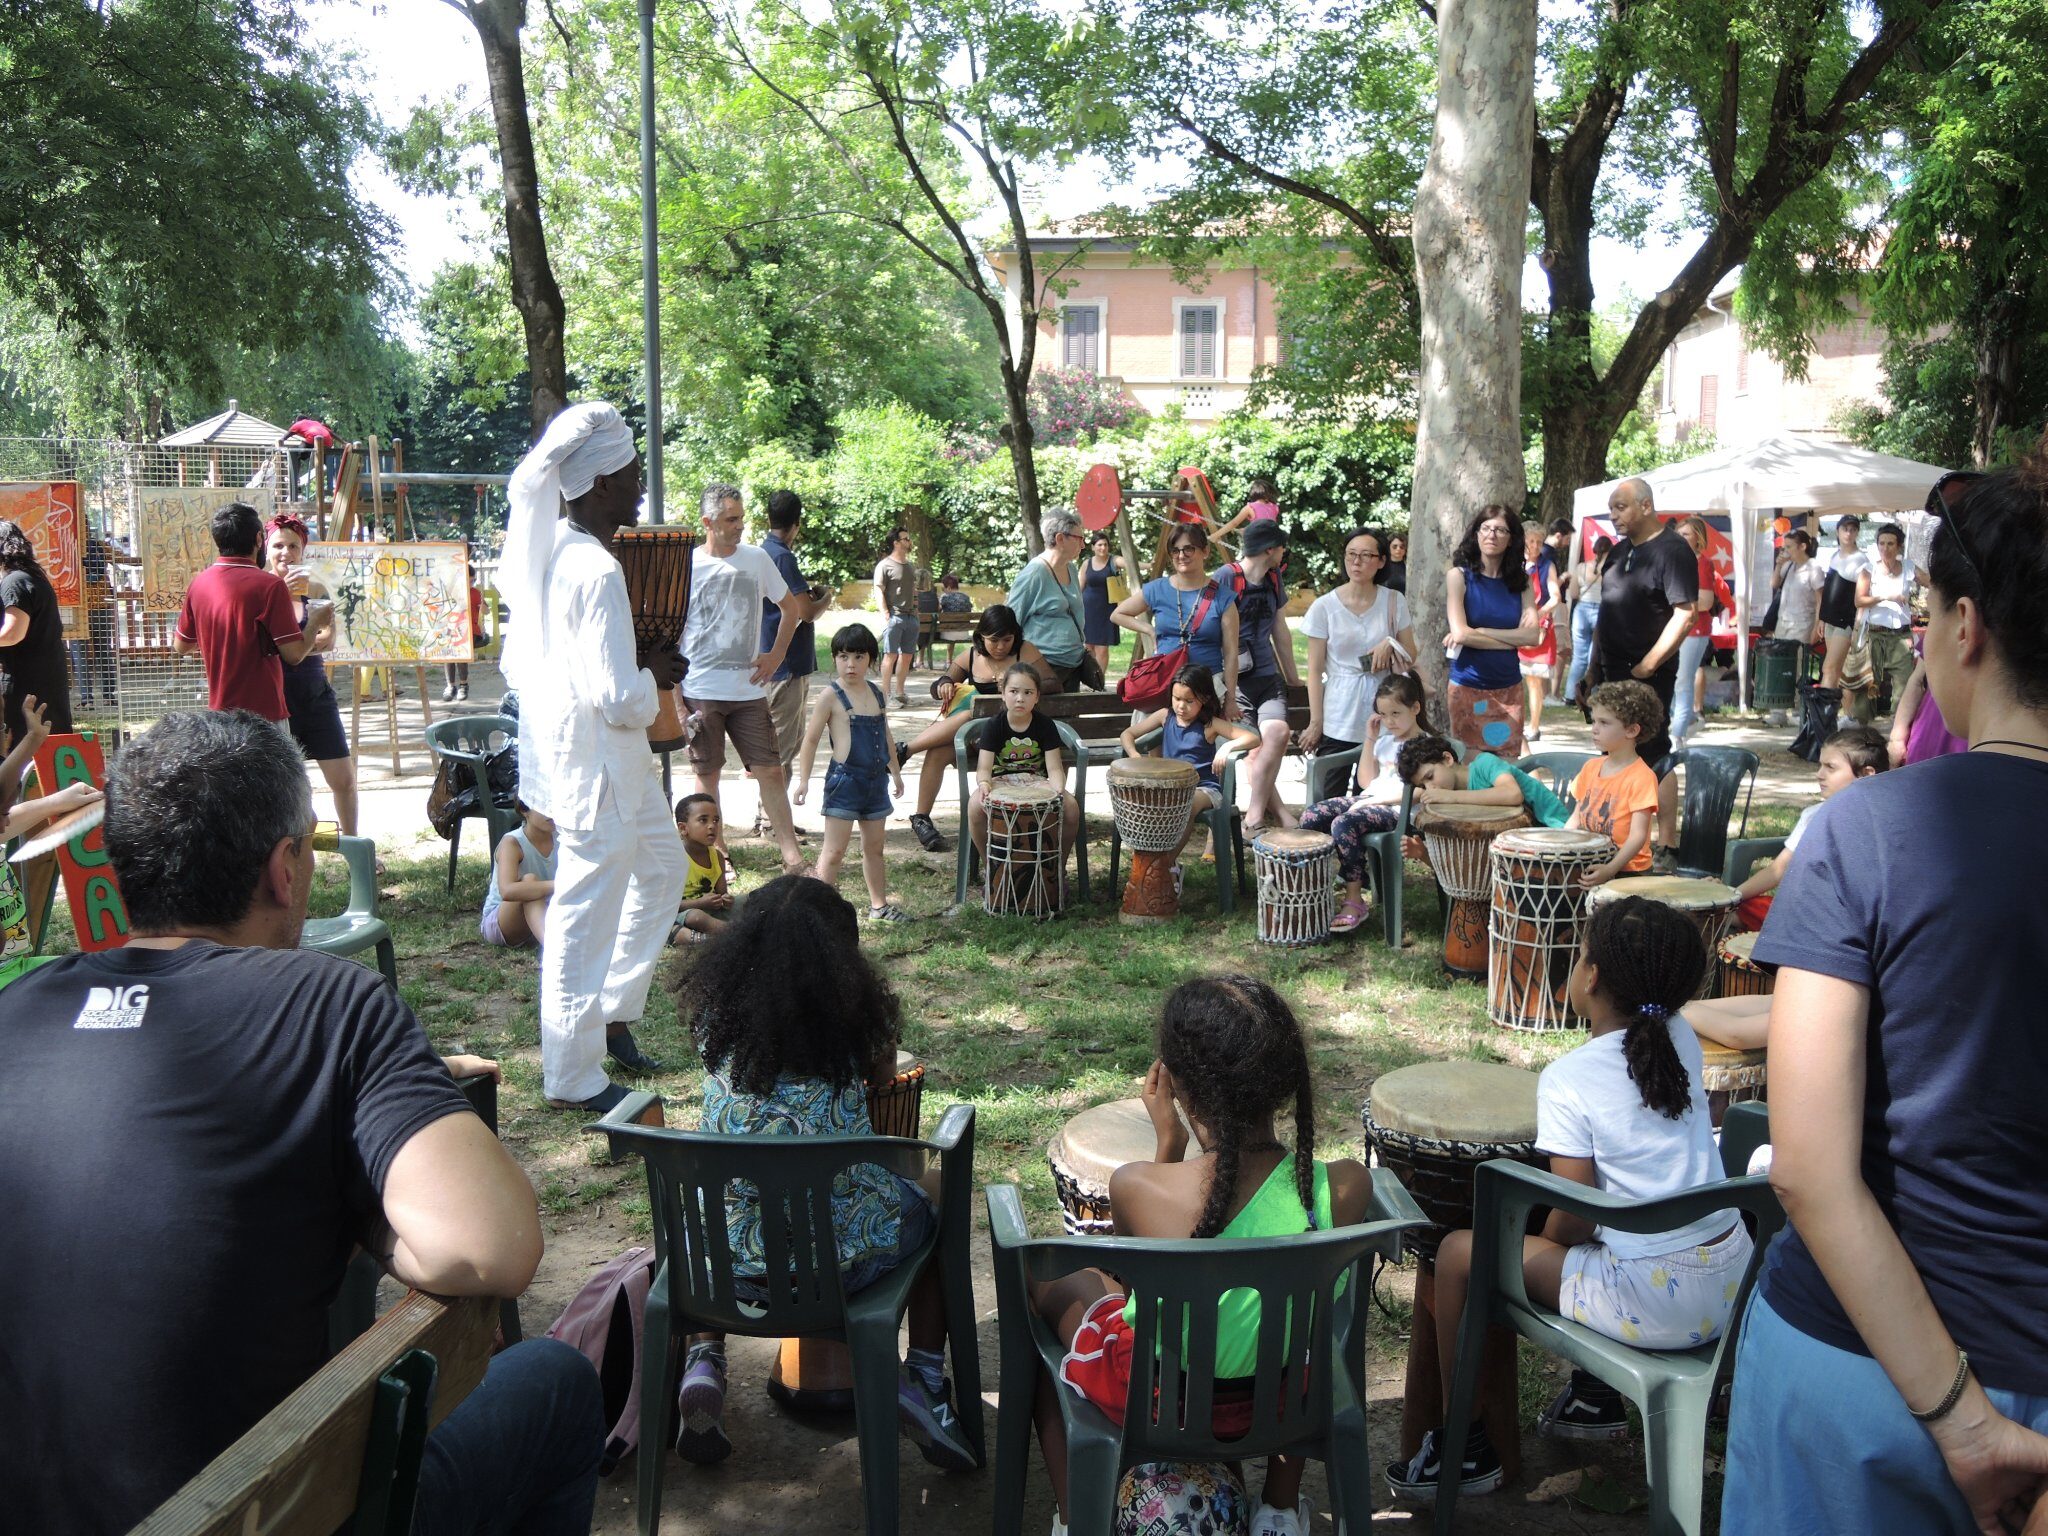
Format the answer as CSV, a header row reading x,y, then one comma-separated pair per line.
x,y
174,536
47,511
396,602
98,914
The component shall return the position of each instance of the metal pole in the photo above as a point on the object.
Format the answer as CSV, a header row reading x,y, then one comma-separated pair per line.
x,y
650,277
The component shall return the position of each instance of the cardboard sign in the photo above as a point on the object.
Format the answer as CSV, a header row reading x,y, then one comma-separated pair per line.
x,y
48,513
174,536
396,602
98,913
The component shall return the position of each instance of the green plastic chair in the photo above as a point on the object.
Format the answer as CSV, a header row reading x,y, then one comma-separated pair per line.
x,y
1295,1406
1745,853
1226,829
471,739
1387,867
1672,1388
358,927
1075,750
1560,768
687,1175
1329,773
1713,776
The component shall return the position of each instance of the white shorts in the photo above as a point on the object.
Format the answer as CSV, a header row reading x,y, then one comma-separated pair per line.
x,y
1664,1301
1211,796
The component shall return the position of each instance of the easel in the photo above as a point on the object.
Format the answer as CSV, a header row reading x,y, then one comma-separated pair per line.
x,y
355,708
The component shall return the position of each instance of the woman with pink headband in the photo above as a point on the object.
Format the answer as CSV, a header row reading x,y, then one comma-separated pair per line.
x,y
314,712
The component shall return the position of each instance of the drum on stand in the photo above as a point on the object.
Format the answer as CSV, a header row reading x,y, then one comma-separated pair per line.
x,y
1707,904
1536,920
1741,976
1152,799
1730,1076
1433,1125
1089,1148
656,563
1297,886
816,1375
1458,838
1022,873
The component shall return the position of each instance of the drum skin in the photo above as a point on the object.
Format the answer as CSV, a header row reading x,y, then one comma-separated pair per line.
x,y
1435,1123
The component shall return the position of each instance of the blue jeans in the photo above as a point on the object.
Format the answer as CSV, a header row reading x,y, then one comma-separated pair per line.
x,y
1584,617
518,1456
1691,652
1820,1443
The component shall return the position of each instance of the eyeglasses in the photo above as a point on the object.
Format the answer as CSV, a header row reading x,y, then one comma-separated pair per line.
x,y
1946,501
1188,549
1363,554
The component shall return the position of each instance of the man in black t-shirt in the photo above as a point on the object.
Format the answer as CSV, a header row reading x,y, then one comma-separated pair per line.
x,y
31,637
1648,589
198,1129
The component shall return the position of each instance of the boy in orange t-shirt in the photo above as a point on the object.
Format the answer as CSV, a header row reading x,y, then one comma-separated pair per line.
x,y
1617,794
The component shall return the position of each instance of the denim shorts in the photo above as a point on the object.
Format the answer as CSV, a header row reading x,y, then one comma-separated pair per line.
x,y
851,795
899,635
916,1225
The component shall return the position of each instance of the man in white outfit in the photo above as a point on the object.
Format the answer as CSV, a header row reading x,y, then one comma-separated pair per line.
x,y
586,698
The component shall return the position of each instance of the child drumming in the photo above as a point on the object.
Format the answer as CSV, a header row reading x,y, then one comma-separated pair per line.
x,y
1617,793
1400,714
1016,745
522,883
864,768
787,1048
706,897
1852,753
1625,1114
1231,1054
1193,731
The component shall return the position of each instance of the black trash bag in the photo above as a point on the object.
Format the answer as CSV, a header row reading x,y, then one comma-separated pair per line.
x,y
1819,713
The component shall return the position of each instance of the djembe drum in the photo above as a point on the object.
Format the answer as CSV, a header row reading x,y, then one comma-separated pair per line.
x,y
1023,874
1458,838
1433,1125
1707,904
896,1104
1537,911
1297,887
1730,1076
1089,1148
657,566
1741,976
1151,799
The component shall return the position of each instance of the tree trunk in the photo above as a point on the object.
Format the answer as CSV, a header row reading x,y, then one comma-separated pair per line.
x,y
1469,218
2001,339
1017,433
534,290
1574,454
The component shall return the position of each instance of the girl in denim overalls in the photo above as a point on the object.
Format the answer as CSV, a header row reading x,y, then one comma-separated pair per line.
x,y
864,770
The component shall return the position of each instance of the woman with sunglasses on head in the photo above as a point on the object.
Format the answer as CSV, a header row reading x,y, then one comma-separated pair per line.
x,y
1892,1375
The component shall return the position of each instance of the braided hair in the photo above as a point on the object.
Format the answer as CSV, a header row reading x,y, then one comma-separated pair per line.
x,y
1651,960
1237,1055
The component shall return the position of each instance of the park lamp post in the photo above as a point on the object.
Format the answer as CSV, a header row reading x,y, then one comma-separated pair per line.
x,y
650,284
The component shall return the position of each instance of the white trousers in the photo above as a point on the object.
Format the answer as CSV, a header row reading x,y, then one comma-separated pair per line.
x,y
617,888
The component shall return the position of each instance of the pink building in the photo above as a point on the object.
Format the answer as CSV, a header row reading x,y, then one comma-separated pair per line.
x,y
1132,322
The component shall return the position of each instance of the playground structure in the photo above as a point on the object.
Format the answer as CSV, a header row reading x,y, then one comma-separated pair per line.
x,y
1105,502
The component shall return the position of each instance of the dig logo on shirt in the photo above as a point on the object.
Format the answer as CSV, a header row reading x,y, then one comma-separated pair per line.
x,y
113,1008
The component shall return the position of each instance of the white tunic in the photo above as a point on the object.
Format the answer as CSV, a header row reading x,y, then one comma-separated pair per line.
x,y
1350,638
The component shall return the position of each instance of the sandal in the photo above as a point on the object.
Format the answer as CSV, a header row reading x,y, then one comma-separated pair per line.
x,y
1350,915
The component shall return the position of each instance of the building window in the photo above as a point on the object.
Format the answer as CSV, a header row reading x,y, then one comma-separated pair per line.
x,y
1741,366
1201,328
1081,337
1710,401
1670,389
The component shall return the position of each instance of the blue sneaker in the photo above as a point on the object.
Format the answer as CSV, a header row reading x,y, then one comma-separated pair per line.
x,y
928,1421
700,1438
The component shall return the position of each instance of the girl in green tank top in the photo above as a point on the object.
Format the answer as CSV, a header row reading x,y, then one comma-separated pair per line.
x,y
1232,1060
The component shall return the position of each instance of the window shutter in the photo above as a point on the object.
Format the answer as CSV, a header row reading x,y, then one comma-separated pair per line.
x,y
1082,347
1710,401
1198,341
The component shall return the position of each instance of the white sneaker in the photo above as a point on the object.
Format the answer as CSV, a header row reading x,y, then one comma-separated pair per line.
x,y
1059,1526
1284,1522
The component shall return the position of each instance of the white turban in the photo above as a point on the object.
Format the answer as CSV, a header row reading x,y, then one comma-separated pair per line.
x,y
586,440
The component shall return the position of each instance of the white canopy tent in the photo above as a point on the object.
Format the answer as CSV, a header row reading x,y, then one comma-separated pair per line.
x,y
1780,475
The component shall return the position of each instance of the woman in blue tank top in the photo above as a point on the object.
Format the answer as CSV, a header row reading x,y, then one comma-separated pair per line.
x,y
1491,615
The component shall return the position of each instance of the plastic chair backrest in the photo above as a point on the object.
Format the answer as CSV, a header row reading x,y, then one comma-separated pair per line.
x,y
471,736
360,853
790,1178
1562,769
1744,1128
1713,775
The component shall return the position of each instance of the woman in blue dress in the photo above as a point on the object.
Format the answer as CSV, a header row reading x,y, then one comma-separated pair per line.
x,y
1097,571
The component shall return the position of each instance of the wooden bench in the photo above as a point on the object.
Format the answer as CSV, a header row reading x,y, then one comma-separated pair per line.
x,y
347,1443
951,630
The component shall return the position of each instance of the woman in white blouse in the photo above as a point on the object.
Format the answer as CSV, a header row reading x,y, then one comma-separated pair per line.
x,y
1357,634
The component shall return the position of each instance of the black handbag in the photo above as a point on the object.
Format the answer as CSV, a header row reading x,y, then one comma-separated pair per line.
x,y
1838,600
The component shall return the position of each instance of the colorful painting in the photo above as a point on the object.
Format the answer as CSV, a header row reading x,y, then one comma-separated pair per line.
x,y
48,514
98,913
396,602
174,536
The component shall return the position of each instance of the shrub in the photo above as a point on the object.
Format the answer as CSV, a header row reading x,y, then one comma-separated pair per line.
x,y
1072,405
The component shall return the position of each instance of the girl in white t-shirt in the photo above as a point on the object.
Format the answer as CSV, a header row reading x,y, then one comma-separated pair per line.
x,y
1624,1113
1399,714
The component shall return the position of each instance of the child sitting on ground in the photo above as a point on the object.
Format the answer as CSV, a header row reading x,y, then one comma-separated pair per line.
x,y
522,883
1617,793
1399,715
790,1020
865,768
1193,731
1232,1055
1014,746
1852,753
706,898
1625,1114
1432,766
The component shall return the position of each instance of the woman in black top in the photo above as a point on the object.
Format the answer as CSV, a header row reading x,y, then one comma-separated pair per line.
x,y
998,641
1097,571
31,637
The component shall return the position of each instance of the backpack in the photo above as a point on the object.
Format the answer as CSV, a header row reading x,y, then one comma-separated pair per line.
x,y
603,1323
454,793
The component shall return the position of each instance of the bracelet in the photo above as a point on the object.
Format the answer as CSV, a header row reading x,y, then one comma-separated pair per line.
x,y
1942,1409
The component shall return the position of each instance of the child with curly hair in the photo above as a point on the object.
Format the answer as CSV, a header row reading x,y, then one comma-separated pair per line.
x,y
1625,1114
1617,793
1231,1054
787,1050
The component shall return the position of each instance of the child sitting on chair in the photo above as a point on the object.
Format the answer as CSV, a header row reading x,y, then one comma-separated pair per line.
x,y
1194,732
1431,765
1400,715
1232,1055
706,899
1852,753
790,1020
1625,1114
522,883
1014,746
1617,793
865,768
